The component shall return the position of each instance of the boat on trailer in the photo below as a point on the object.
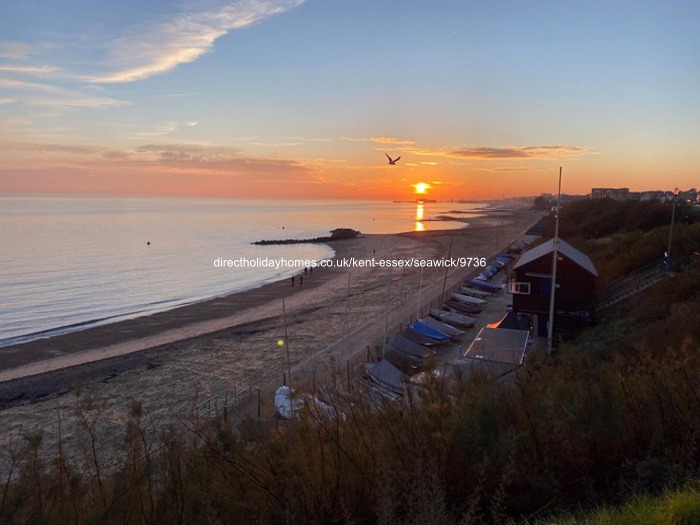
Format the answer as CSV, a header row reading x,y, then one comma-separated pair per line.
x,y
479,294
467,299
443,327
418,337
462,308
446,316
410,347
482,285
386,376
429,331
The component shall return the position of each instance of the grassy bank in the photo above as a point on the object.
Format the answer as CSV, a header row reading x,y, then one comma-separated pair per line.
x,y
677,507
621,237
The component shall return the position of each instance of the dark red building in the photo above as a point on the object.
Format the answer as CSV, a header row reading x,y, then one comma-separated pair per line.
x,y
574,300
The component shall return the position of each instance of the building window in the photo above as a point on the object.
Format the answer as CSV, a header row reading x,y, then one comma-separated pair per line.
x,y
519,288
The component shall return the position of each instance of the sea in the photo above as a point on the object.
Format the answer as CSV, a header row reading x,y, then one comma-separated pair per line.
x,y
71,262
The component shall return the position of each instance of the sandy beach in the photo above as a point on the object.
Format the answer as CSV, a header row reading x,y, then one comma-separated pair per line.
x,y
174,360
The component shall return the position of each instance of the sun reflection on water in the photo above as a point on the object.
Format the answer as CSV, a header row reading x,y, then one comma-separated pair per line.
x,y
420,214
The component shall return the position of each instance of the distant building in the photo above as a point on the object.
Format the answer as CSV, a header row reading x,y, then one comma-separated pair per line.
x,y
688,196
618,194
531,286
623,194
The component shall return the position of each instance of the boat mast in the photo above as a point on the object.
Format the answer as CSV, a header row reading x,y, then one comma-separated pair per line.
x,y
444,279
555,256
347,306
386,312
420,289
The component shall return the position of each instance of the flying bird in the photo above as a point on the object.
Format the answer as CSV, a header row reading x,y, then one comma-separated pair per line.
x,y
392,161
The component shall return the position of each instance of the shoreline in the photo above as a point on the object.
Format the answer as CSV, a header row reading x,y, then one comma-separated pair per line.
x,y
154,329
36,341
33,340
147,346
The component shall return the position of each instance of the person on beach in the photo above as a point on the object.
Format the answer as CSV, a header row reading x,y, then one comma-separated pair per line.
x,y
292,281
305,270
301,280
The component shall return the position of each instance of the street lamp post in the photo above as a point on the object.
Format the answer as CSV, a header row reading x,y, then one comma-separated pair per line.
x,y
670,232
286,343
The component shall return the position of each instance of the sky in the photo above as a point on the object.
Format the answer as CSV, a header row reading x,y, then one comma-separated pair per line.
x,y
305,98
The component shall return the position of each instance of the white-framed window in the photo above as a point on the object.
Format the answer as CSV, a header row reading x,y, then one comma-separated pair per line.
x,y
515,287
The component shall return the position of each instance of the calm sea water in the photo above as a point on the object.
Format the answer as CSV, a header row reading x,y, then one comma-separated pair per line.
x,y
67,263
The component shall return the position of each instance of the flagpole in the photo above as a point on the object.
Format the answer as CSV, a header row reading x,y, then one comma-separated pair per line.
x,y
555,256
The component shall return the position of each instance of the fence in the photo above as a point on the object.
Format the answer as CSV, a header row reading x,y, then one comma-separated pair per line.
x,y
632,283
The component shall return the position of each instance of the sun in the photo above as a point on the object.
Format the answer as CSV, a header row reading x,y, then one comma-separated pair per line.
x,y
421,187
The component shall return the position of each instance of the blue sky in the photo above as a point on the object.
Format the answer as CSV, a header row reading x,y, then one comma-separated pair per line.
x,y
303,97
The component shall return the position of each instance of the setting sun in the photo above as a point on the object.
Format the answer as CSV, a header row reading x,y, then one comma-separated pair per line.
x,y
421,187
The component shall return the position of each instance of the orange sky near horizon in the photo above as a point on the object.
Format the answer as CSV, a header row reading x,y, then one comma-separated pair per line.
x,y
181,170
306,99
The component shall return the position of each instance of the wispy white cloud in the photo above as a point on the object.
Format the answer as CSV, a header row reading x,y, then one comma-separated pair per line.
x,y
276,144
351,139
7,100
153,48
13,50
74,101
40,94
11,83
327,140
391,140
29,70
158,130
187,152
190,158
510,169
34,147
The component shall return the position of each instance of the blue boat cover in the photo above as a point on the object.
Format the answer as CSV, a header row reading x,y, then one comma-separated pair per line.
x,y
428,331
